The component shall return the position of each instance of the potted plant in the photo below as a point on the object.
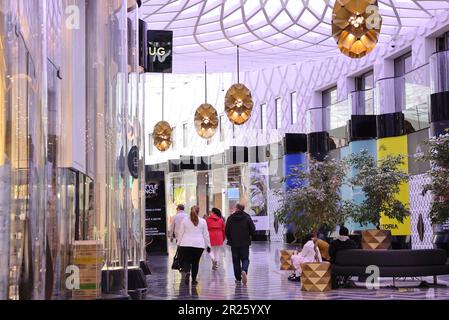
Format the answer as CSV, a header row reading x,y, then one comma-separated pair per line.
x,y
380,181
314,199
438,155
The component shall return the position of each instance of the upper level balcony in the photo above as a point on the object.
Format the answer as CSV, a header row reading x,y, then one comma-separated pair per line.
x,y
409,94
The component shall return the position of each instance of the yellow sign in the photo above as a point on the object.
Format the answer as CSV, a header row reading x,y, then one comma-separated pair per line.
x,y
396,146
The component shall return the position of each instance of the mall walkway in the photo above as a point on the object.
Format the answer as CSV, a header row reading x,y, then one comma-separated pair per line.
x,y
265,282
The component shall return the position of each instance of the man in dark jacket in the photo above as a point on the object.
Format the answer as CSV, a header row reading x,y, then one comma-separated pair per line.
x,y
239,230
341,243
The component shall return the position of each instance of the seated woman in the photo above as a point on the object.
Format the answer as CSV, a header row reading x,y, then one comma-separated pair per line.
x,y
309,253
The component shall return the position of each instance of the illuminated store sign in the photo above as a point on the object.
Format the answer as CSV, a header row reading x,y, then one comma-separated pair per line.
x,y
159,51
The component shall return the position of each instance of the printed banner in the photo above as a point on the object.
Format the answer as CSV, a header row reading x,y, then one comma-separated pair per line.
x,y
356,194
155,211
258,193
395,146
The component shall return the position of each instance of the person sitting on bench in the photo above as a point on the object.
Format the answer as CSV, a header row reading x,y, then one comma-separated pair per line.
x,y
341,243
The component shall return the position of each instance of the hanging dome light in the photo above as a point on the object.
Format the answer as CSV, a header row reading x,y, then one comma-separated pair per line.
x,y
238,100
238,104
162,132
356,26
162,136
206,121
206,117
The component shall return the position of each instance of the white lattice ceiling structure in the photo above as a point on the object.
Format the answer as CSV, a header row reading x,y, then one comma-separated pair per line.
x,y
268,31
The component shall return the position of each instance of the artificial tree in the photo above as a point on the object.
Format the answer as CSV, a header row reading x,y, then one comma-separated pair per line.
x,y
438,155
313,199
380,181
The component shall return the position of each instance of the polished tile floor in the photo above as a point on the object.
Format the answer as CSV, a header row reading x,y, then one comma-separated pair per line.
x,y
265,282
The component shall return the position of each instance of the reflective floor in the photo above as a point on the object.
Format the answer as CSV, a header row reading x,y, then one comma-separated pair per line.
x,y
265,282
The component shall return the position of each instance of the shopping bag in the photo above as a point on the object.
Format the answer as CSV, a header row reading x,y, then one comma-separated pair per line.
x,y
176,265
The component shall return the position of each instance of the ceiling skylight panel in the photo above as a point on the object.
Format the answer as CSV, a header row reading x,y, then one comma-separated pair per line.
x,y
212,5
212,15
217,44
209,28
242,38
250,7
295,8
265,32
185,23
317,6
233,18
308,19
166,17
209,36
174,6
236,30
272,8
386,9
408,13
434,5
229,6
257,20
282,20
191,11
406,4
410,22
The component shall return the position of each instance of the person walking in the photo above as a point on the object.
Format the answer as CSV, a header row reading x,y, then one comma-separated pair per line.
x,y
239,230
193,239
216,227
175,226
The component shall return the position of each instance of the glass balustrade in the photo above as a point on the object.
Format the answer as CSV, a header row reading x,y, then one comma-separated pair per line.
x,y
415,98
409,94
439,71
362,102
335,119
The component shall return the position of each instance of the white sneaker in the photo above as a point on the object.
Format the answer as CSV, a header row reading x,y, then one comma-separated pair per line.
x,y
244,277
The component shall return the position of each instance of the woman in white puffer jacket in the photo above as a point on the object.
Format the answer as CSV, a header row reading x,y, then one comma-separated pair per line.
x,y
309,253
193,239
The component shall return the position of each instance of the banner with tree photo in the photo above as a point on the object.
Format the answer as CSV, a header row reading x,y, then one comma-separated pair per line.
x,y
258,195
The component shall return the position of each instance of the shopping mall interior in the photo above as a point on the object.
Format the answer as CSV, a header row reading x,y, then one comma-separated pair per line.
x,y
318,123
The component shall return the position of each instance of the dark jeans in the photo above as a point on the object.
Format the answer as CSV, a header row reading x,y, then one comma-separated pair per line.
x,y
240,260
189,258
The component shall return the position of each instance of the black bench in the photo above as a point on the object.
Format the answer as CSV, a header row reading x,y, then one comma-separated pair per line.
x,y
392,263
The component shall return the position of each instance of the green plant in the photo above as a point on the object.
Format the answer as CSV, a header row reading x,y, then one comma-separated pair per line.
x,y
313,197
438,155
380,181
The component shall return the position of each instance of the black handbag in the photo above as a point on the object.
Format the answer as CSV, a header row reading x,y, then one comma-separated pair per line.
x,y
176,265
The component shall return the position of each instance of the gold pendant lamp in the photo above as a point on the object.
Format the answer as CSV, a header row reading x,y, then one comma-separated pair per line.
x,y
238,100
162,132
206,117
356,26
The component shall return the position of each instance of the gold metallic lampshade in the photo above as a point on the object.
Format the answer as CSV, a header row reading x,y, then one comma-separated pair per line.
x,y
356,26
206,121
238,104
162,136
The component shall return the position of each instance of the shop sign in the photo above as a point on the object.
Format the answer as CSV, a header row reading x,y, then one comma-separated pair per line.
x,y
133,162
159,51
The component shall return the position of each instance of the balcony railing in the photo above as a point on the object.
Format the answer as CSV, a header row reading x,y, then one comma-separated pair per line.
x,y
439,71
409,94
362,102
336,117
416,97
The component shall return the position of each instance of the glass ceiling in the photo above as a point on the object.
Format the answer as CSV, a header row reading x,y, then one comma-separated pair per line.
x,y
268,31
